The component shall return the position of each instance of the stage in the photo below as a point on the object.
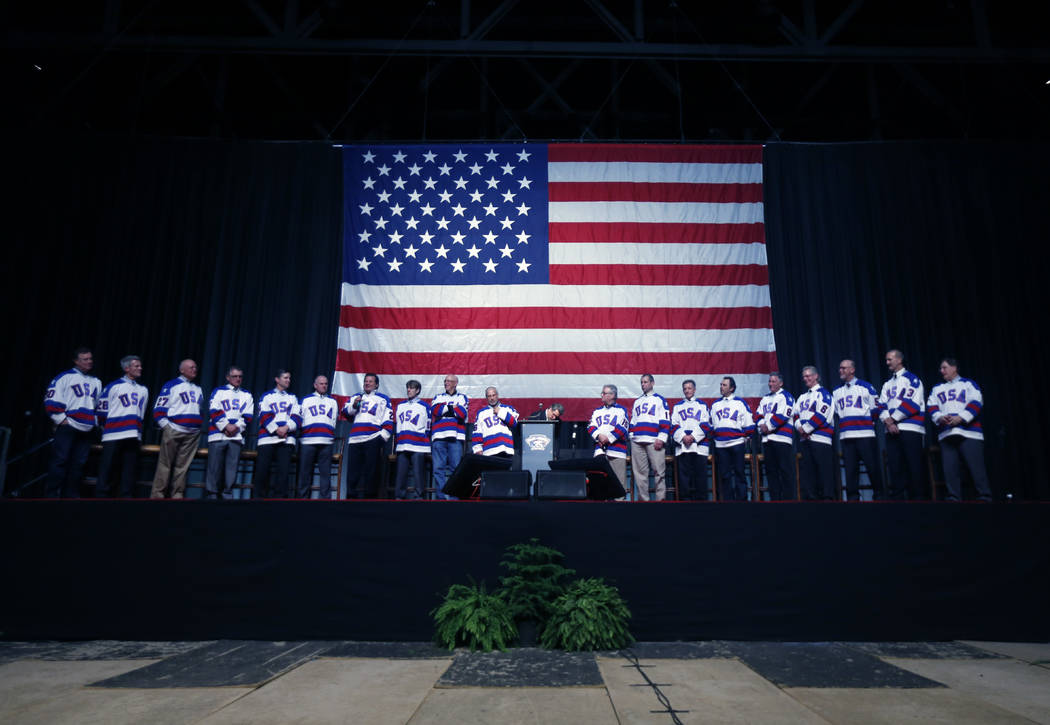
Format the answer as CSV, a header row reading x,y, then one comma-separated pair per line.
x,y
373,570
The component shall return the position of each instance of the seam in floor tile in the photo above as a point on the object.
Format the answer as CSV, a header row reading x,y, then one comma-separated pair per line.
x,y
660,696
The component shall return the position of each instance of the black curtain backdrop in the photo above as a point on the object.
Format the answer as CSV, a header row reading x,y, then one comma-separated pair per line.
x,y
931,248
230,252
223,252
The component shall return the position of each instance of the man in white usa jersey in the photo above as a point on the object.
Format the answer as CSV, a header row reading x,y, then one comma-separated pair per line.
x,y
320,413
121,409
773,420
177,411
901,410
955,408
230,410
70,403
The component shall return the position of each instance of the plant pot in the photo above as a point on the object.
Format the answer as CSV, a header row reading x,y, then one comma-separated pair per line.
x,y
527,631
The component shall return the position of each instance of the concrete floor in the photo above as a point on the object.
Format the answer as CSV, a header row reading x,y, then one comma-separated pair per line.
x,y
720,682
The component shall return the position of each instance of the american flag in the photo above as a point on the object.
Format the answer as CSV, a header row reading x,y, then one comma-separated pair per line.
x,y
548,271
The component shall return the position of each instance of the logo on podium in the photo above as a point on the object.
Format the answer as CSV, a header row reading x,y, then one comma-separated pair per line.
x,y
538,442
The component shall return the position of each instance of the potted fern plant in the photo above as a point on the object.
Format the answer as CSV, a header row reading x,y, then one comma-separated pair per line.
x,y
471,617
590,615
536,579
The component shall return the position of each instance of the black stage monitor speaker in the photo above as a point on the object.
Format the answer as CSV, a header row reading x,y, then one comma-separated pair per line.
x,y
602,483
561,485
461,483
505,485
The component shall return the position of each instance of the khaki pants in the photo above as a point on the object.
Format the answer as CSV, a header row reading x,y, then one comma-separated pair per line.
x,y
176,454
643,457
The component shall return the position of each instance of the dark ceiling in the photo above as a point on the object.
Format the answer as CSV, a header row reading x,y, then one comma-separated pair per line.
x,y
342,70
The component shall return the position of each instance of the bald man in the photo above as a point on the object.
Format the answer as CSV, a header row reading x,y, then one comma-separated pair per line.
x,y
494,427
177,411
448,426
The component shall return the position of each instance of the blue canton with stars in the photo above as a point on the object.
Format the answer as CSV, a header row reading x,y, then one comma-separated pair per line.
x,y
445,215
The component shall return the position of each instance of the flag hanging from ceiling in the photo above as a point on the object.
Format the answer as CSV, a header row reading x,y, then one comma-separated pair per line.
x,y
548,271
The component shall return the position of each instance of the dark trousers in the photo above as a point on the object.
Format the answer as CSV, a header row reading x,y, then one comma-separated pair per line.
x,y
224,458
309,454
855,450
904,455
69,452
733,483
692,476
780,471
264,456
363,463
406,460
123,455
955,450
817,471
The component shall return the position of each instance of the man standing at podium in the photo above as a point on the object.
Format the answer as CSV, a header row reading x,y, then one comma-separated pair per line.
x,y
552,414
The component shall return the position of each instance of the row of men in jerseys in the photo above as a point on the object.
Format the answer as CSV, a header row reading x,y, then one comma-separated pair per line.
x,y
77,405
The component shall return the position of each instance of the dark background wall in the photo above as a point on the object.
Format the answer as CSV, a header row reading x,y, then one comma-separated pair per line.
x,y
229,252
224,252
928,247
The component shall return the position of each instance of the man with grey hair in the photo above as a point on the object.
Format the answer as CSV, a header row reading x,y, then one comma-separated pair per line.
x,y
177,411
773,419
552,414
813,417
856,409
608,427
320,412
691,430
230,410
121,409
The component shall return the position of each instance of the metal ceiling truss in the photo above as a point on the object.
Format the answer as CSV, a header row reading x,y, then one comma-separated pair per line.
x,y
489,80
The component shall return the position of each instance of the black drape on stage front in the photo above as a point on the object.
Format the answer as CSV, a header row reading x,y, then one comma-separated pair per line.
x,y
223,252
931,248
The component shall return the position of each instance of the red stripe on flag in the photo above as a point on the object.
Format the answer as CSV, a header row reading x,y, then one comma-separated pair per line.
x,y
576,409
660,274
565,363
654,192
556,318
657,233
655,153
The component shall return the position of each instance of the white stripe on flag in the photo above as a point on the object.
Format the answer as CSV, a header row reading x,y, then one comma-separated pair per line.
x,y
652,172
543,340
524,295
628,253
556,387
